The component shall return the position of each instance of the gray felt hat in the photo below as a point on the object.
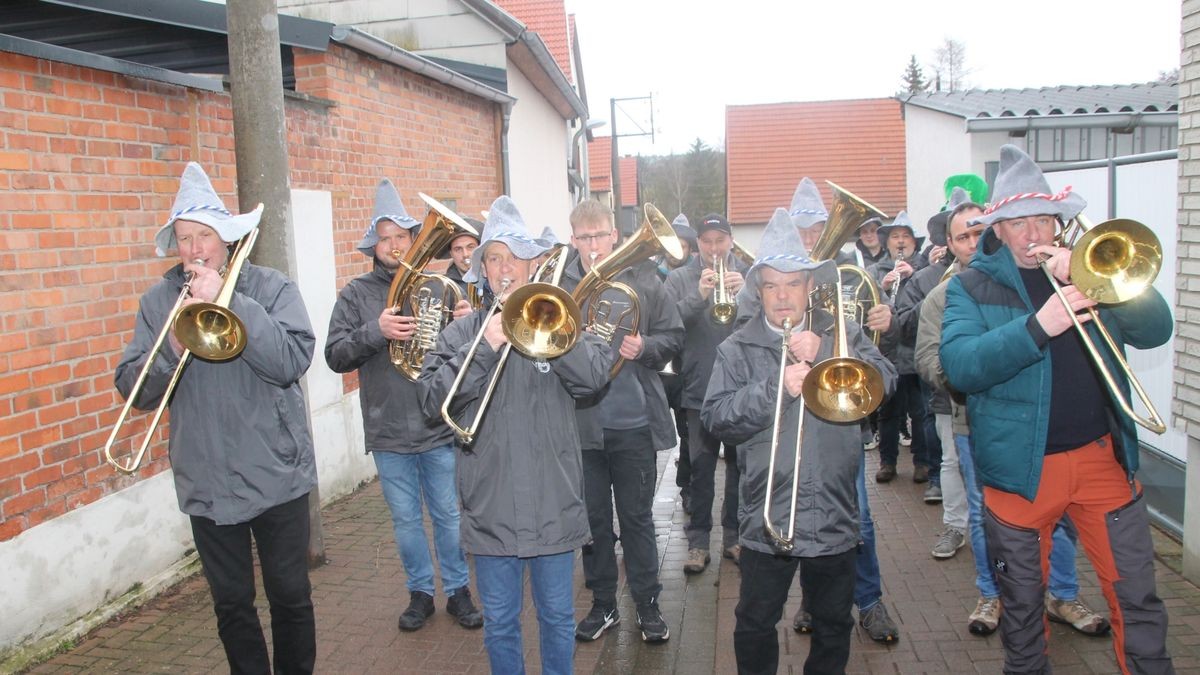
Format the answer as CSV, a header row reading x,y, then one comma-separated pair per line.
x,y
387,207
807,208
548,238
683,230
505,225
198,201
902,220
783,251
1021,190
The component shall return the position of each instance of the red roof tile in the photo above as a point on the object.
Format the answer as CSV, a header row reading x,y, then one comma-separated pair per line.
x,y
858,144
600,171
547,18
629,181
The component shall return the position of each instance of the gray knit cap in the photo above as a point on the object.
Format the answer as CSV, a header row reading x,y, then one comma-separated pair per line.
x,y
387,207
198,201
783,251
504,224
1021,190
807,208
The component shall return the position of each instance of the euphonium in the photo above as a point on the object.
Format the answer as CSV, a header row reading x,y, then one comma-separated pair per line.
x,y
432,310
862,293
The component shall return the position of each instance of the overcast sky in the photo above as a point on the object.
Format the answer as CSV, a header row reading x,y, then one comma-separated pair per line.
x,y
697,56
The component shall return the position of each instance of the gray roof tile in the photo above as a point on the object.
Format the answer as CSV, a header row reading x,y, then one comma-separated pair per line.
x,y
1062,100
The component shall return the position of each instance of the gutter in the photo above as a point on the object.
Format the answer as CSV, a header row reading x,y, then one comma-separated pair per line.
x,y
1088,121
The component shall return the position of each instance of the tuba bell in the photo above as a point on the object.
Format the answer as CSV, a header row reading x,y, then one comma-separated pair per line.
x,y
860,292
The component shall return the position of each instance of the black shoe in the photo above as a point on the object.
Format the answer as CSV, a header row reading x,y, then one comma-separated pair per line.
x,y
596,622
460,607
420,607
649,619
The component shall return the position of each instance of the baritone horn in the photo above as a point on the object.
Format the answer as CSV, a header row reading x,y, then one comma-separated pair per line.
x,y
209,330
861,293
1112,262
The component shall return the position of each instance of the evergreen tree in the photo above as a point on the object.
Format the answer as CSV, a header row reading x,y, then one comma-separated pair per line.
x,y
913,78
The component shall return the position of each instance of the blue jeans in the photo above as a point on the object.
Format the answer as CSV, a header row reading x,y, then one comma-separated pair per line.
x,y
501,582
405,479
867,589
1064,578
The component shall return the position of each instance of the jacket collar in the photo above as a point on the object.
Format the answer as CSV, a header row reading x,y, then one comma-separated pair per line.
x,y
756,332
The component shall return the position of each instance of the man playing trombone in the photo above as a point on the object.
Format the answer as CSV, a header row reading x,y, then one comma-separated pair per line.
x,y
1048,437
747,404
240,447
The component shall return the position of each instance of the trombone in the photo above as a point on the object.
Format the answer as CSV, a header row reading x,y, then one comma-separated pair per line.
x,y
539,319
210,330
1112,262
840,389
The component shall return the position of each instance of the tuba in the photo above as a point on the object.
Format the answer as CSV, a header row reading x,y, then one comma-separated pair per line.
x,y
654,236
431,308
861,293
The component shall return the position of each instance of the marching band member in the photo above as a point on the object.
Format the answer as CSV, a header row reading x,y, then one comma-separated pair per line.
x,y
461,247
413,454
521,481
241,451
673,380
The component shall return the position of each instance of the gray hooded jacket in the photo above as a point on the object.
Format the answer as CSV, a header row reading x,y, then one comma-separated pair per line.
x,y
392,417
521,481
240,442
739,409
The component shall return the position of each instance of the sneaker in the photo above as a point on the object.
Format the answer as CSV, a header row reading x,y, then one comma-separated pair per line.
x,y
733,553
878,624
905,439
933,494
948,543
420,608
697,560
873,443
886,473
1076,614
596,622
802,623
649,619
985,618
920,474
462,608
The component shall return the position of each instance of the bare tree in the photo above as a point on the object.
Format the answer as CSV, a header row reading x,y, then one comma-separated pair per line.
x,y
950,65
1167,76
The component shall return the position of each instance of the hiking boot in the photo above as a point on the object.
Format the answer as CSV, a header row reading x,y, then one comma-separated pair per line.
x,y
985,618
878,624
948,543
933,494
697,560
649,619
802,623
462,608
920,474
886,473
596,622
1077,615
734,553
420,607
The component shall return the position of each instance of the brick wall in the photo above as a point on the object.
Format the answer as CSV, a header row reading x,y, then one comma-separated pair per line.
x,y
1186,405
89,165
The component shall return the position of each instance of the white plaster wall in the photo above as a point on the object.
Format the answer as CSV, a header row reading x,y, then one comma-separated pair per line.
x,y
537,137
936,146
985,147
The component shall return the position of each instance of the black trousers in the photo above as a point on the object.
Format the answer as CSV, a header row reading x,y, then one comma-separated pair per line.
x,y
828,585
683,470
281,535
705,449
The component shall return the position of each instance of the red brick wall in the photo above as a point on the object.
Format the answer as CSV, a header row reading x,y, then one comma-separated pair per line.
x,y
89,165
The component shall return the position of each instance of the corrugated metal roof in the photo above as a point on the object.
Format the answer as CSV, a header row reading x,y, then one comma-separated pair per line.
x,y
1062,100
547,18
858,144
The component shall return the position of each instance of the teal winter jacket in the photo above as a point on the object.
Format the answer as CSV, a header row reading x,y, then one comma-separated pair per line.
x,y
994,351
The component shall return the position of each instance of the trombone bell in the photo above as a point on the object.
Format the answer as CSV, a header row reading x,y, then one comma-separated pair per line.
x,y
210,331
1115,261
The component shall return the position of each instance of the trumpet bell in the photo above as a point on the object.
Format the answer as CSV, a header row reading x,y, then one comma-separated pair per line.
x,y
541,320
1115,261
210,331
843,389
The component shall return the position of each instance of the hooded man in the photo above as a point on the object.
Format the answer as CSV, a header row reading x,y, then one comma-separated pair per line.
x,y
241,451
521,480
413,454
1048,439
739,407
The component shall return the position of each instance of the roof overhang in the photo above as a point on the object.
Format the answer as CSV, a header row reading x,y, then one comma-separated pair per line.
x,y
1089,121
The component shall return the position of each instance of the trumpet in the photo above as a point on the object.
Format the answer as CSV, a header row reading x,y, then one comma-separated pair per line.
x,y
1114,261
210,330
839,389
724,309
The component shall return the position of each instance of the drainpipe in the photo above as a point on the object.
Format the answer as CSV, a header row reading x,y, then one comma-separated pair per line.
x,y
506,184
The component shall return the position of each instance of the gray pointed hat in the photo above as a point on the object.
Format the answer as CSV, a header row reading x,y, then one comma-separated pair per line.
x,y
901,220
783,251
505,225
548,238
807,208
1021,190
198,201
388,206
683,230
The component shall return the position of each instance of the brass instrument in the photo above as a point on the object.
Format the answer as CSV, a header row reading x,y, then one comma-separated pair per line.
x,y
432,310
210,330
863,292
839,389
654,236
1114,261
724,309
539,319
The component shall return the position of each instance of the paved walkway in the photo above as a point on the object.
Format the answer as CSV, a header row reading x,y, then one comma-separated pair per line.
x,y
361,591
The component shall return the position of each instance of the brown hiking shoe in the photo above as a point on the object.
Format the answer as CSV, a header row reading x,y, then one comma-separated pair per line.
x,y
886,473
696,562
1077,615
985,618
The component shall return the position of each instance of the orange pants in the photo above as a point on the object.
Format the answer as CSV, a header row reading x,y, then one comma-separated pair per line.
x,y
1106,507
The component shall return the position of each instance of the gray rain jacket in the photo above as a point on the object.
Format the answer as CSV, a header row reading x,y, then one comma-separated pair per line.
x,y
929,361
662,336
899,351
391,409
521,481
240,442
739,409
908,317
